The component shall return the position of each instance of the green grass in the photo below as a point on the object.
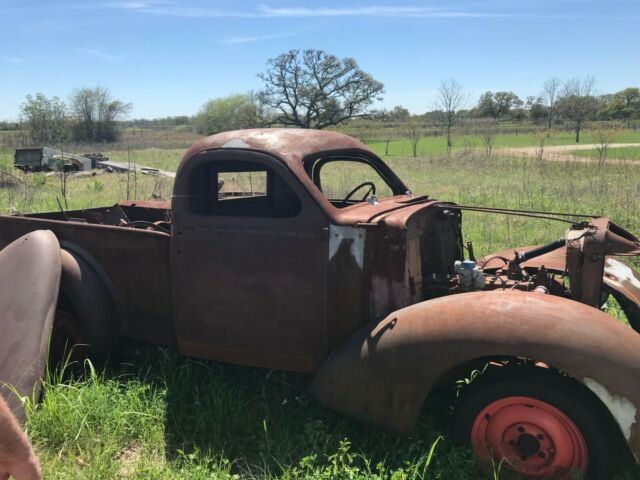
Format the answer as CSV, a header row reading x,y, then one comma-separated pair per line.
x,y
618,153
610,190
163,416
40,193
431,145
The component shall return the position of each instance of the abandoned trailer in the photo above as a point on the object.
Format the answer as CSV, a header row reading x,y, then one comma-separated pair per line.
x,y
46,159
334,268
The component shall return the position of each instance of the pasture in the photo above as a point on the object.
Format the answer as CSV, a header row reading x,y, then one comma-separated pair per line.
x,y
157,415
621,153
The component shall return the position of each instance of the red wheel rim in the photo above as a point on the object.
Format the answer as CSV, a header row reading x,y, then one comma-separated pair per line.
x,y
529,436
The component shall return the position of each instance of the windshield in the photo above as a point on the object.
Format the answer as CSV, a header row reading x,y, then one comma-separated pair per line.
x,y
347,180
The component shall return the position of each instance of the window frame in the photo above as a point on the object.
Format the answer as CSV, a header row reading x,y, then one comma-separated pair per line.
x,y
217,207
313,166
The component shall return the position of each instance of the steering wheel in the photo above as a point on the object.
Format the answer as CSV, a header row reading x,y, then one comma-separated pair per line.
x,y
371,191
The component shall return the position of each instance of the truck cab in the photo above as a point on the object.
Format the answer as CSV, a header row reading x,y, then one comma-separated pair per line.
x,y
279,254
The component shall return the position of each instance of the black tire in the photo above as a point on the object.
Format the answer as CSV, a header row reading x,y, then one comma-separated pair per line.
x,y
544,385
85,298
66,339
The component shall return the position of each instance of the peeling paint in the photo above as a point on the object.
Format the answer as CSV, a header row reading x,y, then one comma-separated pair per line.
x,y
236,143
623,279
355,238
622,409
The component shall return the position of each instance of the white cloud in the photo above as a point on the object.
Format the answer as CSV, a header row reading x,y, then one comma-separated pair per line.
x,y
99,54
168,8
370,11
256,38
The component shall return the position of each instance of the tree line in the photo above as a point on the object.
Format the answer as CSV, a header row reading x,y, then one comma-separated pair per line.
x,y
91,115
314,89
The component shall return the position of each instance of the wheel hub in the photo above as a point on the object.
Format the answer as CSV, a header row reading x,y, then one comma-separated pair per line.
x,y
531,437
528,445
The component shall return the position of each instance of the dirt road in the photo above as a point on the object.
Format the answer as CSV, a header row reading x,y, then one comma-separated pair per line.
x,y
562,153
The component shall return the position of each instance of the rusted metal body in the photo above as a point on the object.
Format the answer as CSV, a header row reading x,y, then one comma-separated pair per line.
x,y
587,259
383,373
133,265
317,276
350,290
30,269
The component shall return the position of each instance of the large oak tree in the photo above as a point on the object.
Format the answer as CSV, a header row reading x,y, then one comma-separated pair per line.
x,y
313,89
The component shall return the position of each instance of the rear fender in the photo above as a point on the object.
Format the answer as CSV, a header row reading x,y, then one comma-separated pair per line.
x,y
29,282
383,373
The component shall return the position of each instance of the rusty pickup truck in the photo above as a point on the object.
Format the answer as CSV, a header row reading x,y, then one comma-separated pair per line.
x,y
302,250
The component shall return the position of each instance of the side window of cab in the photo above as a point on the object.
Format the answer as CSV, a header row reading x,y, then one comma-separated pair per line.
x,y
241,188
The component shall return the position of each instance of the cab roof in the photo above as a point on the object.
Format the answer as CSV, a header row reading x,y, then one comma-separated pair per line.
x,y
292,145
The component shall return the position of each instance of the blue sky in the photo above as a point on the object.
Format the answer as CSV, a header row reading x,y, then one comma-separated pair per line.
x,y
168,57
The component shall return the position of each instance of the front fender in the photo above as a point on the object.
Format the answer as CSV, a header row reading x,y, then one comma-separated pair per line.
x,y
383,373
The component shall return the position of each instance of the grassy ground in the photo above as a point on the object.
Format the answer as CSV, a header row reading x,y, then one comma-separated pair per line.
x,y
162,416
618,153
437,145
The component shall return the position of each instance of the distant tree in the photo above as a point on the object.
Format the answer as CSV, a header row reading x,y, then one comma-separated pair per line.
x,y
540,137
518,114
497,105
625,104
396,114
313,89
388,134
382,127
603,138
7,125
46,119
603,111
536,109
577,103
227,113
96,113
485,107
488,136
450,98
414,132
399,114
550,93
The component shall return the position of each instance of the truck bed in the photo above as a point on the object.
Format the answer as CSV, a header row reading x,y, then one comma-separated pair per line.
x,y
128,245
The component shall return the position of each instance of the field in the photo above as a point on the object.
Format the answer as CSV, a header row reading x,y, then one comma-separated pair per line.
x,y
622,153
435,143
157,415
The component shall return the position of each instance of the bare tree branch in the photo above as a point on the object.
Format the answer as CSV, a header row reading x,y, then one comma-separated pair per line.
x,y
451,96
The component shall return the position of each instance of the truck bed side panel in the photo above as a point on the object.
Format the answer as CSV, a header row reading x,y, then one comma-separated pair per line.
x,y
133,263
